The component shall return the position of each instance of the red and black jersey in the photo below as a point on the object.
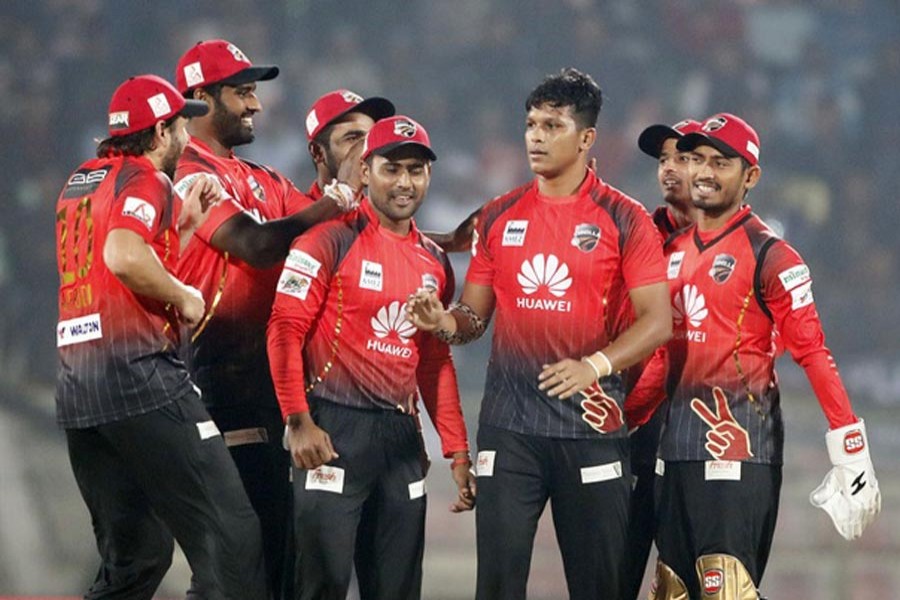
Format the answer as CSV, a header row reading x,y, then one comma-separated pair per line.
x,y
115,347
560,269
731,289
339,330
227,355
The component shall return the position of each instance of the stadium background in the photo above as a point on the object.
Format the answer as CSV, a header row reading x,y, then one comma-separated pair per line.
x,y
820,81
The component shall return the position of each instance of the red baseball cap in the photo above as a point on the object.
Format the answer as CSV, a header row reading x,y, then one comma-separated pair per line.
x,y
651,139
218,61
393,132
728,134
141,101
338,103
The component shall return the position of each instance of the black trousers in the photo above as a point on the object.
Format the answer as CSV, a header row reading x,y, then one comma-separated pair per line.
x,y
253,435
365,508
148,477
642,516
588,483
697,517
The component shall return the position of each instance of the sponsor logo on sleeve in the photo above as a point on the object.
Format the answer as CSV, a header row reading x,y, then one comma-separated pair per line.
x,y
140,209
303,263
791,278
326,479
801,296
159,105
430,282
293,284
259,191
586,237
371,276
723,267
78,330
183,185
514,233
675,260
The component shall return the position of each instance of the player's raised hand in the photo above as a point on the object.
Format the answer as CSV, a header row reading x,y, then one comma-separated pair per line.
x,y
726,439
566,378
350,169
425,310
204,192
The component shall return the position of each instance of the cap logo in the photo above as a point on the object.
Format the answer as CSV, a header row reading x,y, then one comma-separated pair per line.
x,y
753,149
312,121
351,97
159,105
118,120
193,74
680,125
237,54
404,128
714,124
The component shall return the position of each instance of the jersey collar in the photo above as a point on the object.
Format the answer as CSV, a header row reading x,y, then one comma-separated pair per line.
x,y
366,208
709,238
203,146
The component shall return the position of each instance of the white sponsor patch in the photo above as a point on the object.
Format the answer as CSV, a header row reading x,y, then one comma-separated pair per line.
x,y
753,149
600,473
660,467
430,282
484,465
76,331
118,120
801,296
723,470
312,121
370,276
293,284
417,489
675,260
794,276
141,210
300,261
207,430
327,479
514,233
159,105
193,74
474,242
183,185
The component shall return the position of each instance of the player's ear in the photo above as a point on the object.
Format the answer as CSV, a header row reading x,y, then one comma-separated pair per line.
x,y
364,171
160,133
316,152
588,138
751,176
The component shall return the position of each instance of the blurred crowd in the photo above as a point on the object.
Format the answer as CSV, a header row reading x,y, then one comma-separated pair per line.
x,y
819,80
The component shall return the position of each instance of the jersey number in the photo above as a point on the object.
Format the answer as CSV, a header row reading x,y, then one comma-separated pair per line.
x,y
75,245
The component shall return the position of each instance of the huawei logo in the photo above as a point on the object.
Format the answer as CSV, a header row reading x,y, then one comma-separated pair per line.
x,y
392,318
548,272
689,304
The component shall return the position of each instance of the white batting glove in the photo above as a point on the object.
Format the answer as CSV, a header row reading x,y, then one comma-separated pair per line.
x,y
849,493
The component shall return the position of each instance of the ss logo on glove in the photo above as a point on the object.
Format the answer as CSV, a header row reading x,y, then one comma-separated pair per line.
x,y
601,411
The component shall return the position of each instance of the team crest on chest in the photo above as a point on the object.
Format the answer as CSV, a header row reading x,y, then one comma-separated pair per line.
x,y
586,237
723,267
514,233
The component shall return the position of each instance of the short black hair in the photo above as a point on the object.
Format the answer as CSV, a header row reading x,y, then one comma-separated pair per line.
x,y
133,144
213,89
570,87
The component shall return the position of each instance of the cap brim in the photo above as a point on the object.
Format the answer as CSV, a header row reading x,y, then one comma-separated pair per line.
x,y
692,140
251,74
388,148
194,108
651,139
376,107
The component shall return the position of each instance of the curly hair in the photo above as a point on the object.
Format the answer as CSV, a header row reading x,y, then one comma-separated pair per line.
x,y
569,87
